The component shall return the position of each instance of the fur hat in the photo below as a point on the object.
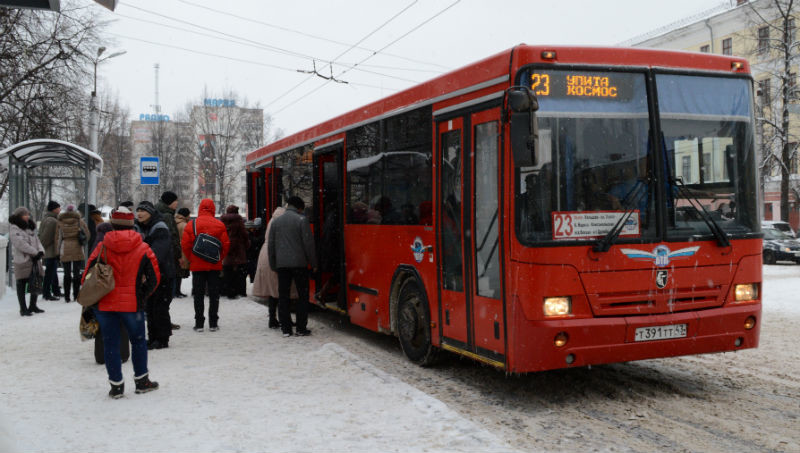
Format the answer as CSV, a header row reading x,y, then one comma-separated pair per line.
x,y
168,197
257,222
53,205
232,209
184,212
122,216
128,204
21,211
146,206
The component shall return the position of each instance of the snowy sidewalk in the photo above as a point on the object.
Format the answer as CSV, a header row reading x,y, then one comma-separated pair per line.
x,y
244,388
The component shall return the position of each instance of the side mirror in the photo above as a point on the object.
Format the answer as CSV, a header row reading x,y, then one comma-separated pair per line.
x,y
524,128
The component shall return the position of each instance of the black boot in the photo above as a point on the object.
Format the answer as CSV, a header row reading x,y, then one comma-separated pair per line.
x,y
144,385
33,308
273,318
23,307
117,390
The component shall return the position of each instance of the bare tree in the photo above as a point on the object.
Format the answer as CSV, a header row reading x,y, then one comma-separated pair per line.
x,y
226,132
775,47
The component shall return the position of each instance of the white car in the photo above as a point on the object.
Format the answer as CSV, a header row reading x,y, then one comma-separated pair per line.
x,y
778,225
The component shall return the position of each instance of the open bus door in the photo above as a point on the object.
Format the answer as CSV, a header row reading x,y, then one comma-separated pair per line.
x,y
328,234
272,192
256,194
471,310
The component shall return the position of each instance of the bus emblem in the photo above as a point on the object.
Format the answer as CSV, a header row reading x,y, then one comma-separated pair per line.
x,y
661,278
661,255
418,248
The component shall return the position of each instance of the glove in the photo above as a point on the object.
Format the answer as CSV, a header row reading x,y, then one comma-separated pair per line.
x,y
38,256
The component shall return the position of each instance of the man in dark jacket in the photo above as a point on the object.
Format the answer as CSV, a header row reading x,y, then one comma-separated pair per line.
x,y
291,252
205,273
47,236
156,235
167,206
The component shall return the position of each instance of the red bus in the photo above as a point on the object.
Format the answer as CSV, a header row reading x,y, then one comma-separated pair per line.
x,y
543,208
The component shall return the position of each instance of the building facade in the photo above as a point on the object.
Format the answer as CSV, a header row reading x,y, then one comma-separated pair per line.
x,y
752,30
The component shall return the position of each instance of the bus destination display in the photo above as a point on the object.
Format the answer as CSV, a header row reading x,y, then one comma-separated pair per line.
x,y
578,84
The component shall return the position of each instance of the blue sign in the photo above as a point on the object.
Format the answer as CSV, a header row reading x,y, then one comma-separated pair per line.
x,y
153,117
149,171
219,102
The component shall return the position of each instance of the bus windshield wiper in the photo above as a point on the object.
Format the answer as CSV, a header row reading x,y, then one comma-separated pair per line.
x,y
719,234
629,204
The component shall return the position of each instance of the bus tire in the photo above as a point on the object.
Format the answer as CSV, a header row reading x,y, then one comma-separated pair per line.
x,y
413,324
769,257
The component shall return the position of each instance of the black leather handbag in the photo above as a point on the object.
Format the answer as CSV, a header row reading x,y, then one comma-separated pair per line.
x,y
206,247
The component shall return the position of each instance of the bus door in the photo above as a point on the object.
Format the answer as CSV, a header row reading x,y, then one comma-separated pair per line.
x,y
471,309
328,234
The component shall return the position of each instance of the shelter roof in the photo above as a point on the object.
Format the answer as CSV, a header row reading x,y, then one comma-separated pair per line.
x,y
38,152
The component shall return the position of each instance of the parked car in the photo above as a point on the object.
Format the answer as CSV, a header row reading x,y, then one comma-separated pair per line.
x,y
778,225
779,246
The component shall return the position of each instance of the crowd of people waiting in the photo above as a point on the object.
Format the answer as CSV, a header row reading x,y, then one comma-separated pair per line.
x,y
151,248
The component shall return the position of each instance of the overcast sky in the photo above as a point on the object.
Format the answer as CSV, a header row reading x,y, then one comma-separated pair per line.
x,y
255,47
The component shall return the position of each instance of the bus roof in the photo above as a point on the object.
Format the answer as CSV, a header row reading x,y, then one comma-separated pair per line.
x,y
453,86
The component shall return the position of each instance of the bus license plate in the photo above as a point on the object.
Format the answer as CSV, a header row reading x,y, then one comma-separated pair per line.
x,y
660,332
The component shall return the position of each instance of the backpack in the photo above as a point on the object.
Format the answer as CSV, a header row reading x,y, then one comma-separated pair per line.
x,y
206,247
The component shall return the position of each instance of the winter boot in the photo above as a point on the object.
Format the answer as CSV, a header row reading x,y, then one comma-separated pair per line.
x,y
33,308
273,318
117,390
23,307
144,384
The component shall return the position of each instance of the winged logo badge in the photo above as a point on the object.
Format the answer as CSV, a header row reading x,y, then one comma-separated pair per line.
x,y
661,255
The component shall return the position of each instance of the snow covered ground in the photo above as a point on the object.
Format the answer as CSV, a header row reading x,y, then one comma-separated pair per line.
x,y
244,388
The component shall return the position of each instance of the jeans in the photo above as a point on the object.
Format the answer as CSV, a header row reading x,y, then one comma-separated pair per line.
x,y
300,277
199,282
109,326
50,282
72,278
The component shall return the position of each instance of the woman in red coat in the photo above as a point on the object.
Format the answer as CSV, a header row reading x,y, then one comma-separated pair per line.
x,y
136,275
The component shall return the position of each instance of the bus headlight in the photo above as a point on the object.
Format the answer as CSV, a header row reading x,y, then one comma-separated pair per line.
x,y
557,306
746,292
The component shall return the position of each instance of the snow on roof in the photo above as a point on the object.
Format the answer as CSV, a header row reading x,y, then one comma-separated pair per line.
x,y
721,8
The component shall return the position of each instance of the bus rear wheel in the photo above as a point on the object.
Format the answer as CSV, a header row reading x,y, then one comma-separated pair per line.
x,y
413,324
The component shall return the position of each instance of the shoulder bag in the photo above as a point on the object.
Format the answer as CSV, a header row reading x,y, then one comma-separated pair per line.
x,y
99,281
206,247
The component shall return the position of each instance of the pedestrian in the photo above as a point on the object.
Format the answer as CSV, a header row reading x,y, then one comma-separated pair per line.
x,y
70,249
136,275
97,219
167,206
255,232
291,253
181,219
47,236
205,274
156,234
265,284
28,253
90,223
234,267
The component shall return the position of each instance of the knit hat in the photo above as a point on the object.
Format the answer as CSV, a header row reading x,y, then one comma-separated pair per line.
x,y
53,205
146,206
122,217
168,197
257,222
232,209
249,224
70,207
184,212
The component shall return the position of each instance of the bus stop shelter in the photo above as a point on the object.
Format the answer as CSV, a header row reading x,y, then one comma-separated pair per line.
x,y
68,161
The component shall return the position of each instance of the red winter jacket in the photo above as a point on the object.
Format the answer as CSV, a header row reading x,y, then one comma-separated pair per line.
x,y
206,223
136,273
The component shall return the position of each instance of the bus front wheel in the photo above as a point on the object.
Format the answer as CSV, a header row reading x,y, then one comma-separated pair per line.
x,y
413,324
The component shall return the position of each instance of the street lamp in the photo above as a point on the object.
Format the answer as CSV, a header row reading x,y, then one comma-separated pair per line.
x,y
93,104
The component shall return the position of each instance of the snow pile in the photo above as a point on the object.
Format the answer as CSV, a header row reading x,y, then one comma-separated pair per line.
x,y
244,388
780,288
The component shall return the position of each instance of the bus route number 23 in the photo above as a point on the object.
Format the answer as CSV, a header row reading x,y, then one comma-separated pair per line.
x,y
562,226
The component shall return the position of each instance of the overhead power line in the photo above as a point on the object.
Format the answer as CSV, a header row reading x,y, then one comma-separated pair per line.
x,y
309,35
370,56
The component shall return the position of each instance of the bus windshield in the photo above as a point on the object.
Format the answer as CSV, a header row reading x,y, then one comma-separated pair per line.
x,y
596,160
593,159
706,124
